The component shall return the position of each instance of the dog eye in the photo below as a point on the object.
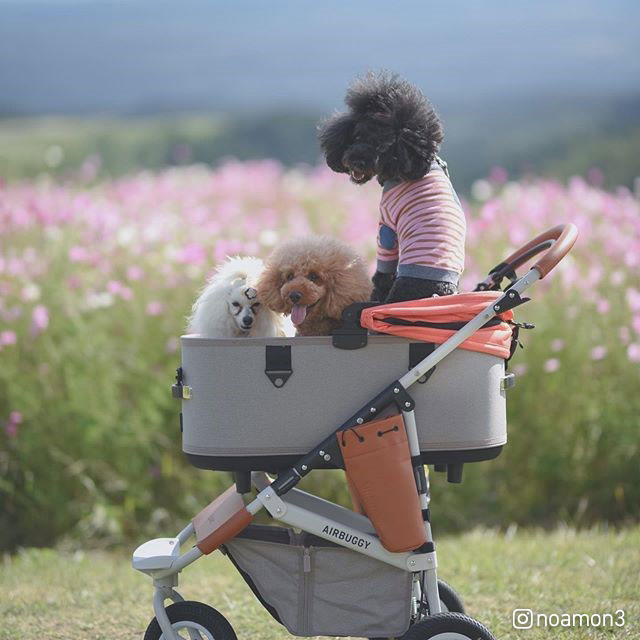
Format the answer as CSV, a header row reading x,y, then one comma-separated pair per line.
x,y
289,276
236,305
254,306
313,276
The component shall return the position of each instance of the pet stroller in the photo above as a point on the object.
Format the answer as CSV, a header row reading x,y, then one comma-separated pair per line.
x,y
258,406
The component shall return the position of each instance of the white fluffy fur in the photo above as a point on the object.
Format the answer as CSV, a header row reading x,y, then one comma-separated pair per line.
x,y
228,297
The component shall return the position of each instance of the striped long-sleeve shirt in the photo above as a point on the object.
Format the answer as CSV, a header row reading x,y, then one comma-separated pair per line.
x,y
422,229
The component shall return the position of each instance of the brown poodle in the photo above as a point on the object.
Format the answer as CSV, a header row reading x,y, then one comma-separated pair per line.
x,y
313,279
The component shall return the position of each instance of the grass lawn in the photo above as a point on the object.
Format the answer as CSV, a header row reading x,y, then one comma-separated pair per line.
x,y
45,594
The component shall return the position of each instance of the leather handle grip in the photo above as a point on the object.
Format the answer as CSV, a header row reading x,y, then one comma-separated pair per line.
x,y
563,236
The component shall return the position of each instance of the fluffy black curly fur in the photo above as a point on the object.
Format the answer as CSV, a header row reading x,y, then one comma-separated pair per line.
x,y
390,131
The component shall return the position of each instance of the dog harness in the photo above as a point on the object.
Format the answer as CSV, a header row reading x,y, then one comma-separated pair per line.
x,y
422,228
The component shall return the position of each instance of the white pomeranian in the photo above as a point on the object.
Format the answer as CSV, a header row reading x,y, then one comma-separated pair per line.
x,y
228,305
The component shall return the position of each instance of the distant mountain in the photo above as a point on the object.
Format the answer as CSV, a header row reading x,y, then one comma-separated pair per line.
x,y
155,56
558,138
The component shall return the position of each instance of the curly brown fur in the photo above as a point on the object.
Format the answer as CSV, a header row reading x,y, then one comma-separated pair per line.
x,y
390,131
320,274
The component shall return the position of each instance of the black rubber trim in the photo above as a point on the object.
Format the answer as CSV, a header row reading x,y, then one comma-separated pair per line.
x,y
426,515
449,326
281,535
416,461
276,464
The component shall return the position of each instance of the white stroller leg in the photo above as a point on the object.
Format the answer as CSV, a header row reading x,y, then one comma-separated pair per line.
x,y
161,594
169,593
431,575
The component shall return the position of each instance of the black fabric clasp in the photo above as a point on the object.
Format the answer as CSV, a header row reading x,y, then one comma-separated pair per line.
x,y
418,351
278,364
349,334
176,389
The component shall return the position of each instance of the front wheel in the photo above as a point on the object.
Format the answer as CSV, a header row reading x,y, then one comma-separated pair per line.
x,y
193,621
448,626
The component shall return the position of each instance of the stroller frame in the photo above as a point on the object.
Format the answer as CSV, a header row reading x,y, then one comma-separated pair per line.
x,y
162,560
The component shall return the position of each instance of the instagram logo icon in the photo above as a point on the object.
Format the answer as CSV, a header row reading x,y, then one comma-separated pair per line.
x,y
522,618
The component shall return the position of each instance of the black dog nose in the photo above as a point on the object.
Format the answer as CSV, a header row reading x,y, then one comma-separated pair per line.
x,y
248,320
358,165
295,297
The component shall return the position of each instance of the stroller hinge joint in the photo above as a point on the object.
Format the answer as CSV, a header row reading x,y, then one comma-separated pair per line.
x,y
402,398
272,502
422,561
509,300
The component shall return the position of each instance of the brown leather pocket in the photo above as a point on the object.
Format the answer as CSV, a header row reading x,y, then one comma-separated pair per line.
x,y
378,466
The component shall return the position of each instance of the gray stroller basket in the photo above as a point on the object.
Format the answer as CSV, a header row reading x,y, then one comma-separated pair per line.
x,y
316,588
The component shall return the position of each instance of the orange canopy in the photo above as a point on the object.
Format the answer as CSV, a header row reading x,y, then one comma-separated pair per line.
x,y
404,318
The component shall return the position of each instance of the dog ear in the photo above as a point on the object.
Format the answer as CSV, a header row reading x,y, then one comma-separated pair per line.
x,y
335,135
346,283
268,288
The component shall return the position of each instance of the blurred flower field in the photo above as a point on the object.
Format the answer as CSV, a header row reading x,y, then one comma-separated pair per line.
x,y
96,281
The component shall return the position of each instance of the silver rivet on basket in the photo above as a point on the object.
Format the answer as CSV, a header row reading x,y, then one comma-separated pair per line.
x,y
407,404
321,452
373,409
278,382
359,420
278,510
512,294
327,457
496,307
396,390
412,563
304,467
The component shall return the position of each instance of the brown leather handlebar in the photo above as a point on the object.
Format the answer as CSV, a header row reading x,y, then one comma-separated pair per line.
x,y
564,237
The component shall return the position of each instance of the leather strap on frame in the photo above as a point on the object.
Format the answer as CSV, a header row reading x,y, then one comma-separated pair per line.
x,y
221,520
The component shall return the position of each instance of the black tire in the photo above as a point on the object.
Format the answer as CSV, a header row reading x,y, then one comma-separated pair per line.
x,y
202,614
464,627
449,598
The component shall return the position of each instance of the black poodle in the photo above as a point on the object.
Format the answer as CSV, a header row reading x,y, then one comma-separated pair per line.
x,y
391,131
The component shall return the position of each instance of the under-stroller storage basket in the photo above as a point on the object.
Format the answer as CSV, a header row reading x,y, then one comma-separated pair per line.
x,y
257,403
314,587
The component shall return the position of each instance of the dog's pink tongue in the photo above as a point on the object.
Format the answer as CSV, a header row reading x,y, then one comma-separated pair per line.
x,y
298,313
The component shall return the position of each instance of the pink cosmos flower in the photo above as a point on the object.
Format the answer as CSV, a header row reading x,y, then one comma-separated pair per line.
x,y
624,334
134,272
598,352
79,254
633,352
557,344
602,305
498,175
551,365
155,308
11,425
193,254
8,337
520,369
11,429
635,323
633,298
39,319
